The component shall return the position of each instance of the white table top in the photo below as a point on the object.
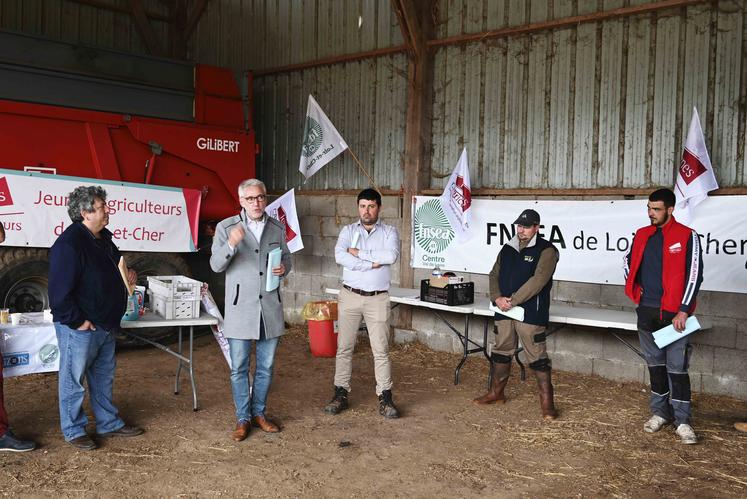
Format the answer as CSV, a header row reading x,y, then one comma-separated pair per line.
x,y
559,313
151,319
30,319
579,316
410,296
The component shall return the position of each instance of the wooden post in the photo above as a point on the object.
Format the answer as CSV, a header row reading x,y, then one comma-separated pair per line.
x,y
416,22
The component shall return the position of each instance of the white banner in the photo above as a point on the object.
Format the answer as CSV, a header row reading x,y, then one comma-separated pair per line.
x,y
283,209
456,199
33,210
321,140
592,236
30,348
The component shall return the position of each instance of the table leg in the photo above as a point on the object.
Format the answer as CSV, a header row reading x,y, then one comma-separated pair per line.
x,y
191,368
486,325
465,344
179,363
624,342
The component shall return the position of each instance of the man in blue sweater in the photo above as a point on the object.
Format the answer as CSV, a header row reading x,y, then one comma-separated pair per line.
x,y
87,297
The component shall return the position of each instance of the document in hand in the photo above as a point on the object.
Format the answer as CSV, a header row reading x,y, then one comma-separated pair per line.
x,y
667,335
273,260
516,313
354,242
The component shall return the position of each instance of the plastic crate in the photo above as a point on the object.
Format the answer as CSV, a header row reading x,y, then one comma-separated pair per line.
x,y
175,287
174,296
174,309
453,294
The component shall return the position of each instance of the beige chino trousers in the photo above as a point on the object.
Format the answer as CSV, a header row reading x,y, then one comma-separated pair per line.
x,y
351,307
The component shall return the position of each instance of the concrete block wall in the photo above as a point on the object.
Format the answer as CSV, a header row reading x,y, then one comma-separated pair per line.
x,y
719,354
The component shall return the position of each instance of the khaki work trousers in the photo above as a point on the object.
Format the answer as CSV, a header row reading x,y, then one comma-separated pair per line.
x,y
375,311
507,334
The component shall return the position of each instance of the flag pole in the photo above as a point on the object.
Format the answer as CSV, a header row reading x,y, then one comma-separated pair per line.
x,y
360,166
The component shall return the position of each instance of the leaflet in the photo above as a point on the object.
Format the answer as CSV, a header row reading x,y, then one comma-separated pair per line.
x,y
273,260
667,335
515,313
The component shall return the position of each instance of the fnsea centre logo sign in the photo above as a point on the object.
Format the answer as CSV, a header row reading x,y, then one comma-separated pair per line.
x,y
433,233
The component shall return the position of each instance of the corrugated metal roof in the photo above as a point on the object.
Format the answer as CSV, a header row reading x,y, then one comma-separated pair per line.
x,y
264,34
595,105
74,22
602,104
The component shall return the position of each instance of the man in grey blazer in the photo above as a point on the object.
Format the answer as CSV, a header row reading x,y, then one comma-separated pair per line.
x,y
240,248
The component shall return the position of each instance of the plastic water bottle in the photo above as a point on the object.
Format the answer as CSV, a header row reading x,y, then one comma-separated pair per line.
x,y
436,272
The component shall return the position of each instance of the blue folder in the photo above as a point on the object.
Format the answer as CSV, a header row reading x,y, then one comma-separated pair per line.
x,y
667,335
273,260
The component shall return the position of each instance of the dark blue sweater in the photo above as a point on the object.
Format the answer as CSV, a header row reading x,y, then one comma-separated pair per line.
x,y
84,279
517,267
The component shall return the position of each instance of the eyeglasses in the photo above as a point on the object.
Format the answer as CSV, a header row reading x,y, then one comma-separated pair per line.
x,y
255,199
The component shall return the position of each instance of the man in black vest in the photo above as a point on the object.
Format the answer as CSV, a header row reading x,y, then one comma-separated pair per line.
x,y
522,276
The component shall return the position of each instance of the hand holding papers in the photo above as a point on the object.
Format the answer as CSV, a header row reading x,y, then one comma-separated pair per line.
x,y
515,313
125,273
354,242
667,335
273,260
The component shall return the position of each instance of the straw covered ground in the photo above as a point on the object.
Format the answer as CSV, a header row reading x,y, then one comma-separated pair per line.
x,y
443,446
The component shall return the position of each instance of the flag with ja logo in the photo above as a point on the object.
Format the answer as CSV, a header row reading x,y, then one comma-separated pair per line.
x,y
321,140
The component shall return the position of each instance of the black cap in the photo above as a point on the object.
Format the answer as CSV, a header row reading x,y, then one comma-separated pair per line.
x,y
528,218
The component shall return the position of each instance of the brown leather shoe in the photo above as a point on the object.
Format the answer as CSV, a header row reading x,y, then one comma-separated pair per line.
x,y
241,431
265,425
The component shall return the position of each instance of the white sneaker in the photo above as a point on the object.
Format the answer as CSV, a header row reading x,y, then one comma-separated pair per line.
x,y
686,434
654,424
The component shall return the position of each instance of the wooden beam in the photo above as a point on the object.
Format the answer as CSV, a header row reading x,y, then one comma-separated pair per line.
x,y
122,10
416,22
566,22
537,193
338,59
194,18
144,28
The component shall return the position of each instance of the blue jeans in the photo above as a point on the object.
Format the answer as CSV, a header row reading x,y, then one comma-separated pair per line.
x,y
265,359
90,355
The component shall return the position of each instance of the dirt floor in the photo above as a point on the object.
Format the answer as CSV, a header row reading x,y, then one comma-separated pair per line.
x,y
443,446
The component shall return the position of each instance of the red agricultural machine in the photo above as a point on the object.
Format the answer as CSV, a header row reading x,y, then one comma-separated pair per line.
x,y
71,110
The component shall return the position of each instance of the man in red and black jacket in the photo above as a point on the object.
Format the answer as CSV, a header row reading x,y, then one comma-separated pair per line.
x,y
663,272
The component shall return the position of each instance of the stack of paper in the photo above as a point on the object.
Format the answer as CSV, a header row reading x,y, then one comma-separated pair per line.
x,y
273,260
515,313
669,334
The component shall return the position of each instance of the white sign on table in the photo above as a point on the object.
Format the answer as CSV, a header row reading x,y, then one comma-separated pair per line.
x,y
30,347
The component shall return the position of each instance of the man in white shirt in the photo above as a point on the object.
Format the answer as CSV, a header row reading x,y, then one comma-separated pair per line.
x,y
366,250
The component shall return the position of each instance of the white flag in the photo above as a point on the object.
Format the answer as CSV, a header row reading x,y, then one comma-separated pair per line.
x,y
695,175
321,140
283,209
456,199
